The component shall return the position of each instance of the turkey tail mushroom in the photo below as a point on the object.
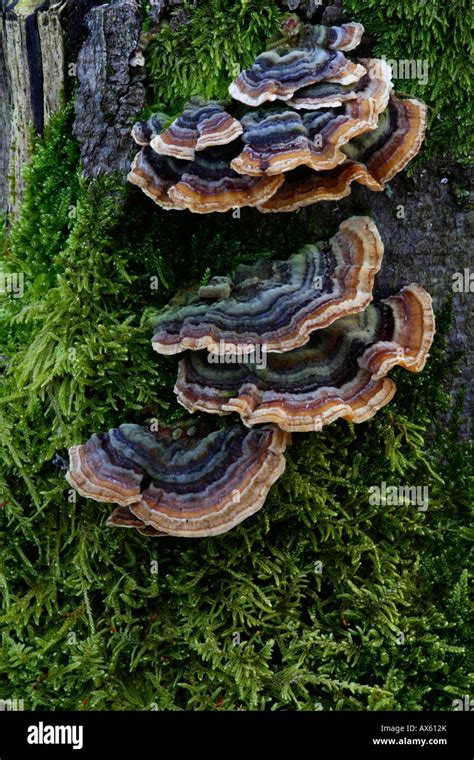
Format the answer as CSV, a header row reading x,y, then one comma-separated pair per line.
x,y
305,123
276,305
340,372
180,480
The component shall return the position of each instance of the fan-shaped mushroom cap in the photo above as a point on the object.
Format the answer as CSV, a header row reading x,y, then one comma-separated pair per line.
x,y
280,140
204,185
394,143
303,186
373,160
340,372
276,304
156,175
375,85
201,125
345,37
210,184
278,74
178,481
313,56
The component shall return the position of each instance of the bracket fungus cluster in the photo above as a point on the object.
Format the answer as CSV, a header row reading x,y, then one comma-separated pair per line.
x,y
303,123
328,350
340,372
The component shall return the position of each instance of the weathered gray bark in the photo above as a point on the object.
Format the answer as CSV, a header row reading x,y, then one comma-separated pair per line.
x,y
111,92
31,82
5,129
18,98
51,42
427,238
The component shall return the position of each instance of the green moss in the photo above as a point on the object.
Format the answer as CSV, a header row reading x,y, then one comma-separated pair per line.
x,y
204,55
51,189
86,623
25,7
439,33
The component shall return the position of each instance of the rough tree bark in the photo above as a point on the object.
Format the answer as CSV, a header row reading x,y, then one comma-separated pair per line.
x,y
110,70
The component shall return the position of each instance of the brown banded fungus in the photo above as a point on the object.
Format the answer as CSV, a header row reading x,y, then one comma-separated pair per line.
x,y
373,159
276,304
277,74
304,123
393,144
171,483
156,175
204,185
202,125
209,184
340,372
280,140
375,85
345,37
